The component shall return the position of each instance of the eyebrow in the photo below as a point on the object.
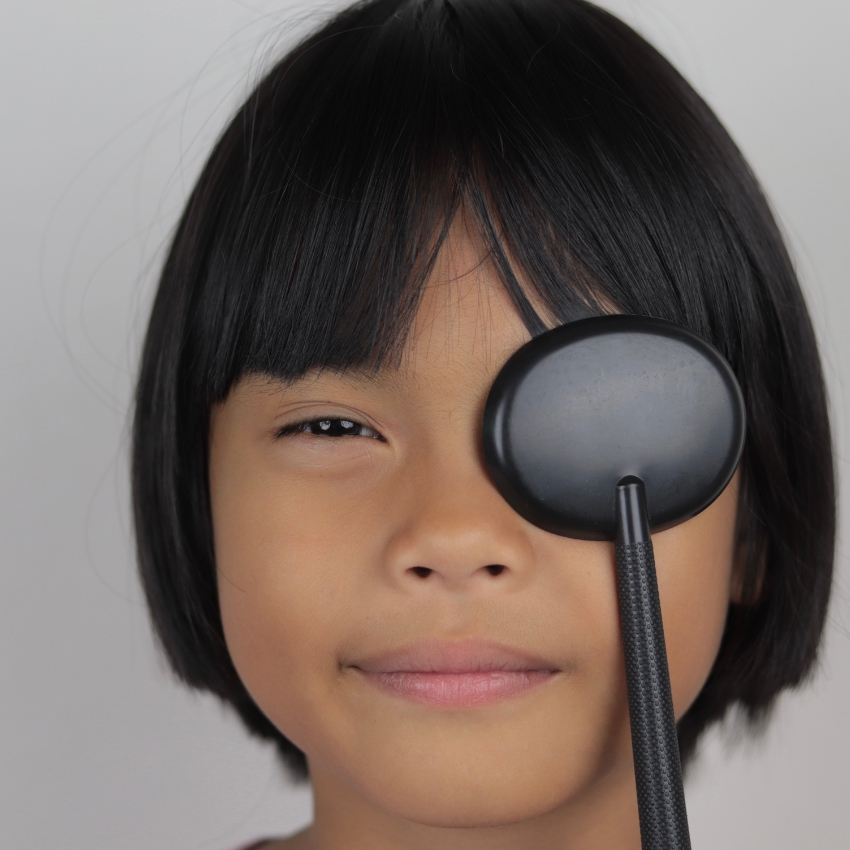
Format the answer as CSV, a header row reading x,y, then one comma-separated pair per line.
x,y
355,376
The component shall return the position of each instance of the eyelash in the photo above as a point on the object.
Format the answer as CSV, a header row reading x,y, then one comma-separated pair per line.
x,y
334,427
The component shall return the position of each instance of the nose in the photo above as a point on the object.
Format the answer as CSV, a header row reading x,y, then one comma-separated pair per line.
x,y
456,531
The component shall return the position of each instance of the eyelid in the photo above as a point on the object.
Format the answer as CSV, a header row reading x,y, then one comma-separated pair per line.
x,y
300,427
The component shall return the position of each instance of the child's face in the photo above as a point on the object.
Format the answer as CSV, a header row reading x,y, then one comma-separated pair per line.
x,y
435,655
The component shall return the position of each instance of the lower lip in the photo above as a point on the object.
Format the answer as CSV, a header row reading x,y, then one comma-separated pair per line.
x,y
460,690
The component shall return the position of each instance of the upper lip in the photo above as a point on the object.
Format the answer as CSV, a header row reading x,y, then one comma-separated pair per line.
x,y
466,656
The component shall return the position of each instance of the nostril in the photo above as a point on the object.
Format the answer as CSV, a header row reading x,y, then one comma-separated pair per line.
x,y
422,572
495,569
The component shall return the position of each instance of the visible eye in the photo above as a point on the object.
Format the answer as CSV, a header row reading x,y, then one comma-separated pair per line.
x,y
330,428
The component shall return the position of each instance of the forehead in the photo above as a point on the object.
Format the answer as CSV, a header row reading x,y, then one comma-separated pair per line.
x,y
466,321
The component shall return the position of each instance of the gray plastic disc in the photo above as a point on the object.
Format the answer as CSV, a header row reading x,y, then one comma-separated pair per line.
x,y
580,407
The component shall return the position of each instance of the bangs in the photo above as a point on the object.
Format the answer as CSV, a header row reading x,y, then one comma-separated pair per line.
x,y
338,181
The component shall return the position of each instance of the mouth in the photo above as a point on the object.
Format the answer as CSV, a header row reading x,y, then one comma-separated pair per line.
x,y
467,674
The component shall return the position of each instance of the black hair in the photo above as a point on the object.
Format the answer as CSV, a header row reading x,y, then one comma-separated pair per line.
x,y
591,170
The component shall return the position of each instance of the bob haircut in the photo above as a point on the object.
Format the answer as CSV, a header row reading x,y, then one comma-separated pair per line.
x,y
591,170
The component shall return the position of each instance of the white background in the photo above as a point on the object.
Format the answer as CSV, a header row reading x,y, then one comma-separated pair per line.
x,y
107,111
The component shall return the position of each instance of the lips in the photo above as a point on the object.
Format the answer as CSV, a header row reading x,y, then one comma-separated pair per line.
x,y
456,675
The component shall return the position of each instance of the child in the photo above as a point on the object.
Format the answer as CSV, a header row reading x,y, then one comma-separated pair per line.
x,y
403,201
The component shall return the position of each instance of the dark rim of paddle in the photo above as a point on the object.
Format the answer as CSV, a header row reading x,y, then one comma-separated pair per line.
x,y
580,407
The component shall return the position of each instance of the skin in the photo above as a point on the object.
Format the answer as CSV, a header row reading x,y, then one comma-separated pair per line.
x,y
316,542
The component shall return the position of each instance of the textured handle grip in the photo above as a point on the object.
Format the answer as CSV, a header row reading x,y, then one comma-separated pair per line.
x,y
658,770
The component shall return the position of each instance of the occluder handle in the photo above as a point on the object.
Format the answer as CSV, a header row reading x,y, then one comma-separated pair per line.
x,y
655,747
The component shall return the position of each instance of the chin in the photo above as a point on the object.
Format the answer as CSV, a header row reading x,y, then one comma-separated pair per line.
x,y
462,804
455,790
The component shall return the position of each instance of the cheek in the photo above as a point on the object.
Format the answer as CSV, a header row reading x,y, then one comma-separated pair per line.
x,y
287,572
694,566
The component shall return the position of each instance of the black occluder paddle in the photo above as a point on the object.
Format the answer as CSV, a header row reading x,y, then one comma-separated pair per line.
x,y
603,429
